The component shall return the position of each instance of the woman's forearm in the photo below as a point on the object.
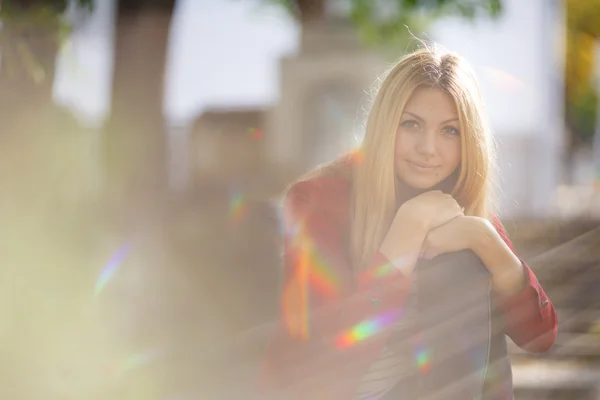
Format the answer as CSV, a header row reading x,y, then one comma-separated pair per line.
x,y
508,275
402,244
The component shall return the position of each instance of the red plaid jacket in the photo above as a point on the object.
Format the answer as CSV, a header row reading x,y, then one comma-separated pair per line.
x,y
312,355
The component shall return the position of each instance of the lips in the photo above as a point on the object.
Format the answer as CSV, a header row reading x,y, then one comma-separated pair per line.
x,y
422,166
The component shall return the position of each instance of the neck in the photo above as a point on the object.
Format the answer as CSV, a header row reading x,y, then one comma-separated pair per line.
x,y
405,192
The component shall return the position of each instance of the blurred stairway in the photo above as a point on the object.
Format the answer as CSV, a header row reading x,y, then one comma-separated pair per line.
x,y
238,263
565,255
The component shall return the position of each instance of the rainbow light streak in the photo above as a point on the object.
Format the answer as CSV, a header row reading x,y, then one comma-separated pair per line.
x,y
378,272
320,274
295,300
310,271
366,329
504,79
287,227
423,360
111,267
384,270
477,358
320,284
491,375
255,133
237,207
357,156
133,361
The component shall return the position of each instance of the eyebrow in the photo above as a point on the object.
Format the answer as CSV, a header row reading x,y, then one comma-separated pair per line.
x,y
422,120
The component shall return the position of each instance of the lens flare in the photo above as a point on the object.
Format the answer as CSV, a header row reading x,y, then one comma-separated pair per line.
x,y
367,329
112,267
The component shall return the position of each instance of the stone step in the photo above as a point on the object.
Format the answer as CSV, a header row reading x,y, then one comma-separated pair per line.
x,y
564,258
555,394
547,231
567,344
555,374
579,321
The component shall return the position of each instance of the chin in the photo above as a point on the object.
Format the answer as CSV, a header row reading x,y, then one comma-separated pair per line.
x,y
421,184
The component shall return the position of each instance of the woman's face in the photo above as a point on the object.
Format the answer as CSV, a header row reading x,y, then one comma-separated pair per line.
x,y
428,145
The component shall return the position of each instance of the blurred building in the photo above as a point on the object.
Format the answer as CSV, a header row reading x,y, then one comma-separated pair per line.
x,y
323,98
229,156
312,100
519,60
318,115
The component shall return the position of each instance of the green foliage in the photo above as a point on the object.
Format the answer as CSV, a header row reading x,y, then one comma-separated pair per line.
x,y
38,11
582,34
583,110
42,14
388,22
24,19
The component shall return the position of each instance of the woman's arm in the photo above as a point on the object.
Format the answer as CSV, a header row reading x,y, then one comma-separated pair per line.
x,y
331,320
530,317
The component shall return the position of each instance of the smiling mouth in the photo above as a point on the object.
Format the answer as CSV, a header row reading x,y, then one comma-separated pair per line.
x,y
422,166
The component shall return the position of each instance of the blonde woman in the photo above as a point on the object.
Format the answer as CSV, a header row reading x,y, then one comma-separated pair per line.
x,y
400,281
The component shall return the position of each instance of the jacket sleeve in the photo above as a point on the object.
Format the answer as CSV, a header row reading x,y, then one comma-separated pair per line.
x,y
331,321
530,318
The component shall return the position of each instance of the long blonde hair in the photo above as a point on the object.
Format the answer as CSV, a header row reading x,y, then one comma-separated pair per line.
x,y
373,178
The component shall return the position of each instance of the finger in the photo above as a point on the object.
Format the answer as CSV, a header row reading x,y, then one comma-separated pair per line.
x,y
458,215
423,248
429,254
426,251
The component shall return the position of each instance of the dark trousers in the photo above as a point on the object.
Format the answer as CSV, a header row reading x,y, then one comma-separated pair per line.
x,y
454,320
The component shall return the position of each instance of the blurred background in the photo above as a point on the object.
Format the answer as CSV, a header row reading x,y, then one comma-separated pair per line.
x,y
144,144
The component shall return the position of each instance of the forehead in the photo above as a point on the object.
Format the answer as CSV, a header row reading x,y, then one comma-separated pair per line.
x,y
431,102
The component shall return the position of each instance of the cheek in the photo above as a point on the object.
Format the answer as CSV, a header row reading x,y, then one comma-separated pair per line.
x,y
402,145
452,154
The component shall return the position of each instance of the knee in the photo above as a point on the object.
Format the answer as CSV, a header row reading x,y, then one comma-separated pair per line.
x,y
458,266
463,258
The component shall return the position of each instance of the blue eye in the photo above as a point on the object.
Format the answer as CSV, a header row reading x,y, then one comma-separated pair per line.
x,y
410,124
450,130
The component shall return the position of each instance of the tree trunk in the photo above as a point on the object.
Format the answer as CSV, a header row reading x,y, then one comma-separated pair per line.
x,y
569,152
596,137
311,10
135,137
135,157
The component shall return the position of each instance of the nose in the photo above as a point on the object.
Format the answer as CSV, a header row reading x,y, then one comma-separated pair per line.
x,y
426,144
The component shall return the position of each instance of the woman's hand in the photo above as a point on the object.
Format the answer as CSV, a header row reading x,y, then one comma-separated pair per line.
x,y
456,235
480,236
433,208
411,223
